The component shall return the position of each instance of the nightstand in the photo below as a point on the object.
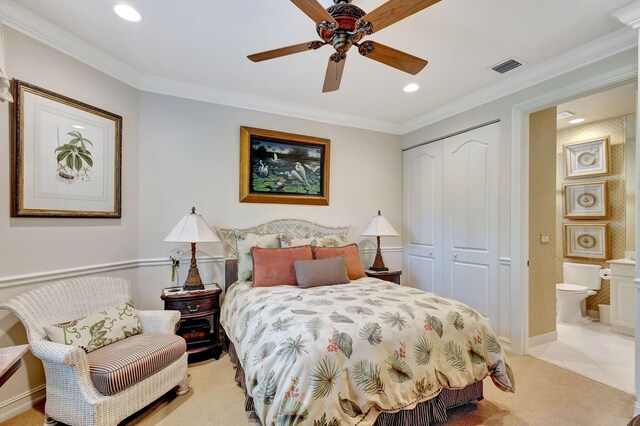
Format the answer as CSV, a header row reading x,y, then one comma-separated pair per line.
x,y
196,308
391,276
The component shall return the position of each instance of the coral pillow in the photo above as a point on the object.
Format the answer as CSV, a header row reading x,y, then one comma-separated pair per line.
x,y
351,258
275,266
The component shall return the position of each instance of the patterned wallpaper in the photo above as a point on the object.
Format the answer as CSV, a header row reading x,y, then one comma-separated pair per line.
x,y
615,129
542,220
630,176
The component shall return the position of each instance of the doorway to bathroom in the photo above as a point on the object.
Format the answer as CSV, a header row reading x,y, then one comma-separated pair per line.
x,y
582,198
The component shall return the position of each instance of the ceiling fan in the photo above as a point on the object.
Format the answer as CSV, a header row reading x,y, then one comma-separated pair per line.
x,y
344,25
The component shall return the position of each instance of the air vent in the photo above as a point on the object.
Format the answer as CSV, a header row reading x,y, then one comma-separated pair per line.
x,y
565,114
506,66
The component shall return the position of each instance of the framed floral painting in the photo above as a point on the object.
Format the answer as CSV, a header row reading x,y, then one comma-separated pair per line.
x,y
586,241
586,200
283,168
587,158
66,157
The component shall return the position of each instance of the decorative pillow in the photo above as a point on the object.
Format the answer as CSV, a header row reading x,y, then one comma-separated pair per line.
x,y
275,266
320,272
351,258
335,240
245,242
97,330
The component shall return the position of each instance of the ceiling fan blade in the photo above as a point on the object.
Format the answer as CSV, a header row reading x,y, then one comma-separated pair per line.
x,y
314,10
334,75
392,57
284,51
393,11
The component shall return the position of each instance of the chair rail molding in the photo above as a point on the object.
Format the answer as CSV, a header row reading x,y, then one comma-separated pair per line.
x,y
61,274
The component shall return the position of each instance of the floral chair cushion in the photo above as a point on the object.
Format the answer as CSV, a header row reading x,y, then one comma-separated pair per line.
x,y
97,330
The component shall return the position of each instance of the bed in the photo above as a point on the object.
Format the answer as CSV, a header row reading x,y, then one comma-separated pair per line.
x,y
364,353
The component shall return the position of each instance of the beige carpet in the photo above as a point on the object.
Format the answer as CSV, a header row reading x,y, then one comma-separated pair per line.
x,y
545,395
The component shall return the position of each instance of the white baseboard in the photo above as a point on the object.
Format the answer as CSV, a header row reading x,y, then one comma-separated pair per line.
x,y
21,402
542,339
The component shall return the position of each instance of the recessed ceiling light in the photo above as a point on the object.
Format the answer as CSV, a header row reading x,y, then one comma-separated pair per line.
x,y
76,126
127,12
577,120
565,114
411,87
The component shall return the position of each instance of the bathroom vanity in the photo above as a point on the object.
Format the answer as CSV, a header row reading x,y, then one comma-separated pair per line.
x,y
623,296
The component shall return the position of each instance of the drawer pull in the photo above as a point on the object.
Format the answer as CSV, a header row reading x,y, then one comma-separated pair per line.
x,y
193,309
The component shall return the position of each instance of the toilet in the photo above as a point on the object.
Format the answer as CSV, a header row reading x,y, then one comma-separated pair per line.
x,y
580,282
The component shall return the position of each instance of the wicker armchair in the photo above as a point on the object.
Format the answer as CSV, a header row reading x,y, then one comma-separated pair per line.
x,y
72,397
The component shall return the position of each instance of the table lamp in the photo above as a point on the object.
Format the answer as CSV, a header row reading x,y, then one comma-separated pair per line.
x,y
192,229
379,227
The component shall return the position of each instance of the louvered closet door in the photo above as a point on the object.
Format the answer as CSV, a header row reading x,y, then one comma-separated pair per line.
x,y
471,221
422,193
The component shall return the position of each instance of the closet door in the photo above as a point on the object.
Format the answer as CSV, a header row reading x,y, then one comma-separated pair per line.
x,y
471,222
422,193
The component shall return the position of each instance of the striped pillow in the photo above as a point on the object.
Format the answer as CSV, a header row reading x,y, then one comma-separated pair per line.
x,y
316,273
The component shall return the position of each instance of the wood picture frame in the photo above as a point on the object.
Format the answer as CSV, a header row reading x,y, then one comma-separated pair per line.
x,y
589,158
67,157
585,200
283,168
585,241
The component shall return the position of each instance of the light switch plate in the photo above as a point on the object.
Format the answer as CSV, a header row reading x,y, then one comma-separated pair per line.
x,y
544,238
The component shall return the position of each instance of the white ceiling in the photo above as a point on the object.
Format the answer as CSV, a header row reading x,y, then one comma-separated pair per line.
x,y
611,103
205,43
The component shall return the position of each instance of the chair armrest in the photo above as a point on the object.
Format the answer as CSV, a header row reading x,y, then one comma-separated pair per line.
x,y
162,322
58,353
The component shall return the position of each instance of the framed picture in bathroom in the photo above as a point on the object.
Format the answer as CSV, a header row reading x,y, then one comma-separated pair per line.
x,y
586,200
587,158
585,241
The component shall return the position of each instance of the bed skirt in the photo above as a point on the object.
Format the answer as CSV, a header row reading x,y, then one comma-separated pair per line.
x,y
427,412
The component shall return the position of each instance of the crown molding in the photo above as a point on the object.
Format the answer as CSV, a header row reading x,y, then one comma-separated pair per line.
x,y
615,42
23,20
629,14
182,89
27,22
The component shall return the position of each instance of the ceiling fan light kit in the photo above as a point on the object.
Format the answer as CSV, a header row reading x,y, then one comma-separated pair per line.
x,y
344,25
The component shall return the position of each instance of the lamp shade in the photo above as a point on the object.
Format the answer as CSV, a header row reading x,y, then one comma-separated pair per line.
x,y
379,227
192,229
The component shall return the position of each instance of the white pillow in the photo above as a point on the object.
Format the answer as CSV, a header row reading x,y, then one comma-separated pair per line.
x,y
334,240
245,241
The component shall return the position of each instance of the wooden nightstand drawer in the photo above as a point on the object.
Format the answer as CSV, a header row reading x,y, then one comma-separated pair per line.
x,y
193,307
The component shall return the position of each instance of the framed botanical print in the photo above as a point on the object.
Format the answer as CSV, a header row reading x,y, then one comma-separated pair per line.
x,y
587,158
66,157
283,168
586,241
588,200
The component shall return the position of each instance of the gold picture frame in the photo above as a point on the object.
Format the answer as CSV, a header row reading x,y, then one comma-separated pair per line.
x,y
585,200
283,168
585,241
67,157
588,158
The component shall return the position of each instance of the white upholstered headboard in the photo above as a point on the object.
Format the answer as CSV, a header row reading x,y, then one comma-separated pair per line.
x,y
296,228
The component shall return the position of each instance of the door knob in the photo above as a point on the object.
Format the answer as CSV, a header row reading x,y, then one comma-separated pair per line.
x,y
430,253
455,255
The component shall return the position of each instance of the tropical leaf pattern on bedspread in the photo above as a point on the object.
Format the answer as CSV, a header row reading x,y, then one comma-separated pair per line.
x,y
331,355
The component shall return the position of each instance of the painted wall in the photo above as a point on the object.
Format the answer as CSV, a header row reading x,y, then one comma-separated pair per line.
x,y
189,155
32,245
615,129
542,220
176,153
501,109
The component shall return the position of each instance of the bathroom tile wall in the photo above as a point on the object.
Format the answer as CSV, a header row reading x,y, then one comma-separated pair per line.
x,y
615,129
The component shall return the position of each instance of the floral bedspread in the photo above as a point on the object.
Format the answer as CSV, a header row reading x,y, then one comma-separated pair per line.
x,y
340,355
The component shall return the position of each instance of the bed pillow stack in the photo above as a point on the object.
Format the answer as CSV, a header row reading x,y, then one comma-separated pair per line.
x,y
273,267
246,242
321,272
351,257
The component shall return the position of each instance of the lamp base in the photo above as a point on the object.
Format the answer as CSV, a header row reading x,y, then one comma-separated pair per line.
x,y
191,287
373,268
